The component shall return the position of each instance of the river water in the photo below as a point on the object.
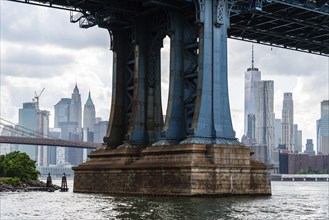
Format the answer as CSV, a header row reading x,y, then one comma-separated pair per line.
x,y
289,200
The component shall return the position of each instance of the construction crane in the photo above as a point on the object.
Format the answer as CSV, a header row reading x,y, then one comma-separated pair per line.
x,y
37,97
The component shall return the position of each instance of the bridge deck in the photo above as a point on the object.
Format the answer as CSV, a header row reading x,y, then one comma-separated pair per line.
x,y
47,142
301,25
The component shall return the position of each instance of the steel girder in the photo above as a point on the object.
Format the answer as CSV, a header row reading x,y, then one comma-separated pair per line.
x,y
198,107
250,20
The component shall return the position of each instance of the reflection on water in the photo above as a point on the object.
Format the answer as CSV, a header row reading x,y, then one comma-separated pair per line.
x,y
290,200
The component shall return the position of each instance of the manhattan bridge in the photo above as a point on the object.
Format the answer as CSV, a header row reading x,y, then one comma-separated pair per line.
x,y
198,110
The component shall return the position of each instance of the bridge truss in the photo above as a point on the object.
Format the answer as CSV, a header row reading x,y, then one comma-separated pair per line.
x,y
198,110
301,25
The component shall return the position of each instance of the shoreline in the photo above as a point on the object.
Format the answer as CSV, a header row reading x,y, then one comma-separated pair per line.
x,y
35,185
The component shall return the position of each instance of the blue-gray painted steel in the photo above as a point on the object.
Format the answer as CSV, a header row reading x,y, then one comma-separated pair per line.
x,y
198,104
198,109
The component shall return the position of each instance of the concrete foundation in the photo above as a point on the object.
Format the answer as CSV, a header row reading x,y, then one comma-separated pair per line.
x,y
174,170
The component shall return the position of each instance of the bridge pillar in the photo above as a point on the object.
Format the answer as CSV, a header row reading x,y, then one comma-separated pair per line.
x,y
136,111
122,87
212,119
198,124
198,108
174,128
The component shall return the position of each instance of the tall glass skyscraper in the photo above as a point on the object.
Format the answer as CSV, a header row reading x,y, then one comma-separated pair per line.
x,y
62,111
28,119
43,129
252,77
318,136
265,116
297,139
288,122
324,127
35,120
278,131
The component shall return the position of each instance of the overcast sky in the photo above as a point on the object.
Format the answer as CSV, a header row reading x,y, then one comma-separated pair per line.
x,y
40,48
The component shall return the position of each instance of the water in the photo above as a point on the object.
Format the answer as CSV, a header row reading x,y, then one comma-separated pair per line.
x,y
290,200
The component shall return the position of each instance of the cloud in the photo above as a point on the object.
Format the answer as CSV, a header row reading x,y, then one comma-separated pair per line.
x,y
31,25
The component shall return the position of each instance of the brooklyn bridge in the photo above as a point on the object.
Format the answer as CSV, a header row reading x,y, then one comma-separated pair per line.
x,y
198,123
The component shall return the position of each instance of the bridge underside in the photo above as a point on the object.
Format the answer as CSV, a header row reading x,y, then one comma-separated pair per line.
x,y
198,125
301,25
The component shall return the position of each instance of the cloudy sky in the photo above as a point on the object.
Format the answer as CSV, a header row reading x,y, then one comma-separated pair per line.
x,y
40,48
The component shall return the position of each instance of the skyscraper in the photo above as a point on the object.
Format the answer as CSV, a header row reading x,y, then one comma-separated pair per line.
x,y
324,127
28,119
251,131
37,121
288,122
252,77
62,111
278,131
265,116
297,139
100,131
89,120
68,115
43,129
75,107
89,115
74,156
318,136
309,147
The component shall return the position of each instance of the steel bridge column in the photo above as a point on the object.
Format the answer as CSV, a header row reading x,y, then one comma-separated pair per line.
x,y
212,118
202,124
174,129
154,105
118,121
137,134
146,117
221,105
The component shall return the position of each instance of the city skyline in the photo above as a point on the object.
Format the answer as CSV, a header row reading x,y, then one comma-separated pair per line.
x,y
48,49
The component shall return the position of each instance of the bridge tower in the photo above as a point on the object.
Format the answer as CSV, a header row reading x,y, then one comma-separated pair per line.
x,y
194,151
198,110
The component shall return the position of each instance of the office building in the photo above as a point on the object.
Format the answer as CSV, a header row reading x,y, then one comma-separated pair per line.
x,y
324,127
252,77
309,147
297,139
287,138
53,151
89,115
293,163
68,115
277,132
27,120
251,130
75,108
265,116
34,121
318,136
62,111
100,131
43,129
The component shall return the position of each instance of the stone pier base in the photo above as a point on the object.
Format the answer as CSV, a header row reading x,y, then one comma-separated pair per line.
x,y
174,170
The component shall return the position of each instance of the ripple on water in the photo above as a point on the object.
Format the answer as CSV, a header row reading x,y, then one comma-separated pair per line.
x,y
289,201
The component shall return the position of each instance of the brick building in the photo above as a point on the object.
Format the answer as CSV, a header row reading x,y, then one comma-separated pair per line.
x,y
292,163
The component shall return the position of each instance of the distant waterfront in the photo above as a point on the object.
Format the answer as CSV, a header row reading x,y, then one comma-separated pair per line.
x,y
289,200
